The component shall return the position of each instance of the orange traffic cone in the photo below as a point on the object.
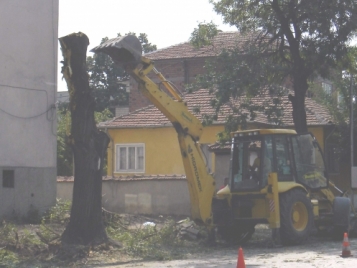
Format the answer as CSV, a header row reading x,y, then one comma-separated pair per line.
x,y
346,251
240,262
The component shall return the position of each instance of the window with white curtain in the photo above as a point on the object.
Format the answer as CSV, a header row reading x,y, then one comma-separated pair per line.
x,y
130,158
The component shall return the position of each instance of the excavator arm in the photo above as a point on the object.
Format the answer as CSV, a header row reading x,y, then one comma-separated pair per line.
x,y
126,51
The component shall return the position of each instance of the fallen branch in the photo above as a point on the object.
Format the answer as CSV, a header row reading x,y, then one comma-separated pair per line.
x,y
49,229
47,241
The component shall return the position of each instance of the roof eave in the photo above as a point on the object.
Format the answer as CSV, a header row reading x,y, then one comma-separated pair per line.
x,y
216,124
123,127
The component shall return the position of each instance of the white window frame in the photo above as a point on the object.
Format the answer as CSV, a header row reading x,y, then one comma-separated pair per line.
x,y
117,157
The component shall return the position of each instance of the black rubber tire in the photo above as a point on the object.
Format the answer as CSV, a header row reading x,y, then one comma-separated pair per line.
x,y
290,234
235,234
341,217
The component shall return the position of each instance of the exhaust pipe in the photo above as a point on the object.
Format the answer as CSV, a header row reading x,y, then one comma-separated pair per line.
x,y
123,50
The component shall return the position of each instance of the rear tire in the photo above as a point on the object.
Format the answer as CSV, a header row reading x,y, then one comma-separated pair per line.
x,y
296,217
341,216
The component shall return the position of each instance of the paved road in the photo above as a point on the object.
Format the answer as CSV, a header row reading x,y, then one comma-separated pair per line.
x,y
318,252
298,259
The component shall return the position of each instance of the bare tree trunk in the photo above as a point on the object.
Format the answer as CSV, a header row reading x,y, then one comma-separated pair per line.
x,y
299,112
88,144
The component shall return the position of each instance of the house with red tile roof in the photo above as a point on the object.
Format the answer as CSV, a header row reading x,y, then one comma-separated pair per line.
x,y
147,138
144,142
181,63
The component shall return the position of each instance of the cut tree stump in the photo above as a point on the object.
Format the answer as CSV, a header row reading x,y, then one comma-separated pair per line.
x,y
88,144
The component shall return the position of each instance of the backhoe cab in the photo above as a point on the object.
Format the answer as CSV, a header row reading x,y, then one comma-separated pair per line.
x,y
295,159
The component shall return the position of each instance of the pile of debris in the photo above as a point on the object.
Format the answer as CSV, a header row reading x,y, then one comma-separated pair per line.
x,y
188,229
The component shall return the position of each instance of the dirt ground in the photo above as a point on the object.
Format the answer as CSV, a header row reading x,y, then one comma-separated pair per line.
x,y
319,251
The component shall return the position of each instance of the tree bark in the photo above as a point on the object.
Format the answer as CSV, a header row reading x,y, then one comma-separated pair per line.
x,y
300,87
88,144
300,72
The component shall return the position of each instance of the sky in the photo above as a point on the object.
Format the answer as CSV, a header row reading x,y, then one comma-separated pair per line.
x,y
166,22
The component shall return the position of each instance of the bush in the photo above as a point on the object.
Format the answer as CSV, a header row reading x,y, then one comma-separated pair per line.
x,y
8,258
59,213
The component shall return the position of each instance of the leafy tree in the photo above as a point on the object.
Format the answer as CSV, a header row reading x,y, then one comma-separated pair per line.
x,y
203,34
107,79
284,40
229,77
339,105
64,152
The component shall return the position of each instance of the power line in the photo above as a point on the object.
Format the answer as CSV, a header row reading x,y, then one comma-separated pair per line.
x,y
49,117
30,117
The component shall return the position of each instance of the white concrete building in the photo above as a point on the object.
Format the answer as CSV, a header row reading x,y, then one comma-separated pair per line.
x,y
28,85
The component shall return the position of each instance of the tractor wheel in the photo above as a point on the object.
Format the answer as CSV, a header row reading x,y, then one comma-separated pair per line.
x,y
236,234
341,216
296,217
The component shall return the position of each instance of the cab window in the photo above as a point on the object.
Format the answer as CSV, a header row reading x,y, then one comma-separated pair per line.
x,y
309,164
245,164
283,161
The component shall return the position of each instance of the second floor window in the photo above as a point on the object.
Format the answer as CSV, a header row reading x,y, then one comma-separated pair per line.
x,y
130,158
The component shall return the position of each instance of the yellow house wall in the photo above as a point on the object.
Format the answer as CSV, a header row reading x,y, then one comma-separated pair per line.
x,y
162,152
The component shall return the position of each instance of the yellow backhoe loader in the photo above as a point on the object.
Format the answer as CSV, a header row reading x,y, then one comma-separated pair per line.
x,y
277,177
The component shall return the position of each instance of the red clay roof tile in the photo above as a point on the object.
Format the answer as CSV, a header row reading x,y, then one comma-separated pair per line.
x,y
150,116
186,50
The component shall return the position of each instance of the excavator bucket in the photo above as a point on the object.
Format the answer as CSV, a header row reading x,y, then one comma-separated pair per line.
x,y
123,50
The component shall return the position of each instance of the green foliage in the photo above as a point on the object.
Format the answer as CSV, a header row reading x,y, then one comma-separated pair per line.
x,y
295,40
28,238
107,79
149,241
59,213
8,233
338,104
203,34
103,116
228,77
8,258
16,243
39,245
64,151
